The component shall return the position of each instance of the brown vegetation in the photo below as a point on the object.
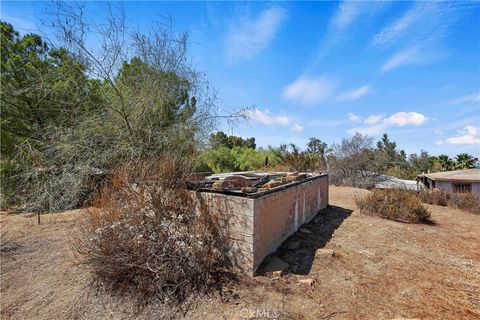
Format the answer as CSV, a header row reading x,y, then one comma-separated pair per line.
x,y
395,204
144,236
465,201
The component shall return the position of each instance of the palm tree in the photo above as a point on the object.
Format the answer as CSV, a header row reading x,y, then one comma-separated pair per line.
x,y
445,162
464,161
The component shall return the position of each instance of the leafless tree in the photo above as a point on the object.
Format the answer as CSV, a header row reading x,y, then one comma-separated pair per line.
x,y
354,162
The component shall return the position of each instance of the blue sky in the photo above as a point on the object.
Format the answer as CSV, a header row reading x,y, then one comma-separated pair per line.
x,y
330,69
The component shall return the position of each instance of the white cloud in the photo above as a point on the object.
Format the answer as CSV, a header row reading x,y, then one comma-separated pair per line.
x,y
402,119
466,99
347,12
354,94
467,136
266,117
310,90
422,54
420,31
373,119
376,123
353,117
424,20
247,38
407,56
296,128
413,16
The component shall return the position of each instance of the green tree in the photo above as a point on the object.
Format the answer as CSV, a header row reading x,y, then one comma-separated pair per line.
x,y
224,159
422,162
389,150
219,138
316,150
41,88
445,162
464,161
316,146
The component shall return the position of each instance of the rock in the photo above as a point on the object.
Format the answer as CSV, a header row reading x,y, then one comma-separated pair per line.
x,y
308,281
367,253
272,184
324,253
304,230
249,189
275,264
217,185
278,273
292,245
235,182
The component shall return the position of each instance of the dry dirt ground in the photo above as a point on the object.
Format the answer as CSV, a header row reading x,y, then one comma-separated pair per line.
x,y
381,269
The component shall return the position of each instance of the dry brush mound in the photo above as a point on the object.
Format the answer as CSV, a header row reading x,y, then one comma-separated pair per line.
x,y
145,238
399,205
465,201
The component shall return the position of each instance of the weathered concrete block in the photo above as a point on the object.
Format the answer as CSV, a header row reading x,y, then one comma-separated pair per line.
x,y
257,224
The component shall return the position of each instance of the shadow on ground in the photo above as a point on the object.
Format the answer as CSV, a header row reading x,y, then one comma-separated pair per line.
x,y
300,248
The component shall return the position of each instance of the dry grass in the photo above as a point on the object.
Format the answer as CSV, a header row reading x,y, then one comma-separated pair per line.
x,y
465,201
381,270
146,239
396,204
7,243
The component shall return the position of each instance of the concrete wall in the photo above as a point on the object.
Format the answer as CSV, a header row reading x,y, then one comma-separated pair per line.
x,y
443,185
236,222
280,214
447,186
257,227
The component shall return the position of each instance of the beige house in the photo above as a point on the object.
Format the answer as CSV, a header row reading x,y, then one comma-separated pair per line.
x,y
467,180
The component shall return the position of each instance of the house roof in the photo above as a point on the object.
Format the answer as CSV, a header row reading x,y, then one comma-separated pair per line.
x,y
391,182
472,175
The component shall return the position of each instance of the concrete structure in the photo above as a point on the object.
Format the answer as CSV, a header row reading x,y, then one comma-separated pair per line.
x,y
258,223
467,180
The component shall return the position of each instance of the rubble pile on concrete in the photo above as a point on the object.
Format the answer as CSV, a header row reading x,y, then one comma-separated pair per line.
x,y
248,182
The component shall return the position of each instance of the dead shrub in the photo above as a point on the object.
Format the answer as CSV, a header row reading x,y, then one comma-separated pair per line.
x,y
465,201
439,198
394,204
144,236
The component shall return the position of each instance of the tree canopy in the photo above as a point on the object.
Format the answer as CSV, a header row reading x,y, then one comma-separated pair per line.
x,y
219,138
41,88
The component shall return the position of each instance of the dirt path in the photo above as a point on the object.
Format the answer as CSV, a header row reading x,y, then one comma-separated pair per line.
x,y
381,270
